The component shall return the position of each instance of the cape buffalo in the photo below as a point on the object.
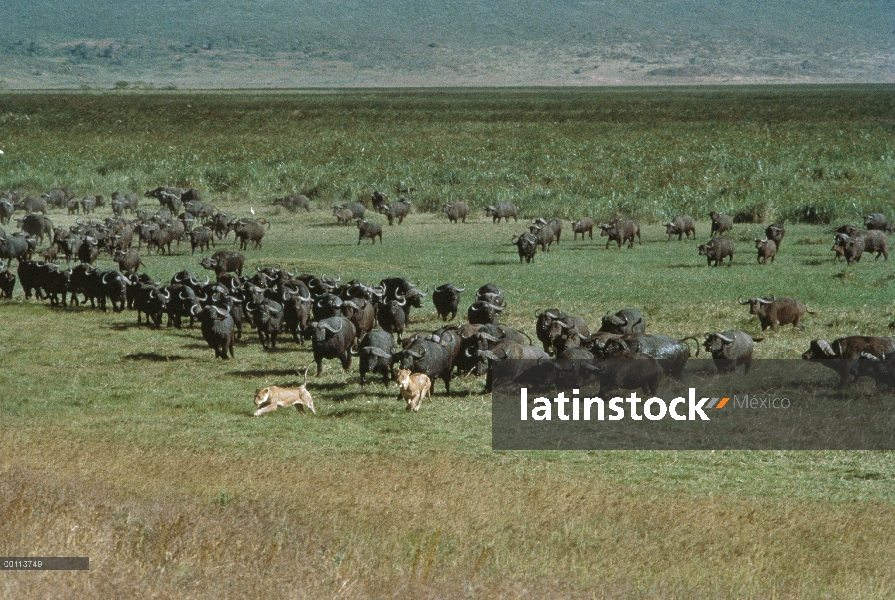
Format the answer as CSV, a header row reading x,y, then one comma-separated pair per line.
x,y
767,248
843,354
716,250
774,311
582,226
502,210
730,349
683,225
456,211
720,223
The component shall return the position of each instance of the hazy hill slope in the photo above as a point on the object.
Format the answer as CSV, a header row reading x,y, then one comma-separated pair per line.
x,y
227,43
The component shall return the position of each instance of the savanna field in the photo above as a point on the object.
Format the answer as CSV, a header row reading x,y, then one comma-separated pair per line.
x,y
137,448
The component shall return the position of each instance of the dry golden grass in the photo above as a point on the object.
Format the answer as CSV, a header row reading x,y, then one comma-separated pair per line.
x,y
433,525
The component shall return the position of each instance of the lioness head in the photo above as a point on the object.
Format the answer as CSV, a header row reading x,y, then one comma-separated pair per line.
x,y
262,396
403,378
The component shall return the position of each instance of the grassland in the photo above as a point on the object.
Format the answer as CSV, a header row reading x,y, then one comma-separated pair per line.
x,y
135,447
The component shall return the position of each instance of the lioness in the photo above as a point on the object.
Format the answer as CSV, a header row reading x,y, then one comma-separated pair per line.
x,y
414,387
272,397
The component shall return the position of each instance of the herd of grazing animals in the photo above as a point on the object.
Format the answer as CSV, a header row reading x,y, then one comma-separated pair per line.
x,y
340,319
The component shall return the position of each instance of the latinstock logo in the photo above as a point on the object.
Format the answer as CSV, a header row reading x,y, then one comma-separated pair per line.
x,y
587,409
777,405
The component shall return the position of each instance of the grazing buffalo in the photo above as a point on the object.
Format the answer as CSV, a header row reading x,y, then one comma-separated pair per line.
x,y
716,250
6,210
625,321
217,329
88,251
250,230
555,328
332,338
366,229
730,349
527,244
447,300
544,233
201,238
843,354
628,371
683,225
58,197
128,202
502,210
391,316
32,205
720,223
874,240
456,212
621,231
767,248
150,300
582,226
361,313
546,330
881,369
294,202
88,204
30,276
224,261
399,288
555,224
296,309
376,353
431,358
16,245
490,293
503,351
7,281
268,319
672,353
481,312
378,199
852,248
114,289
775,231
397,210
357,209
876,221
774,311
36,226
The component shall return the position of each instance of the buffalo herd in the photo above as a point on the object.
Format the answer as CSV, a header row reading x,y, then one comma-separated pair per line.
x,y
340,319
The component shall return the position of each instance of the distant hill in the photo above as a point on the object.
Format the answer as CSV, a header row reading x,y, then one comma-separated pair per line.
x,y
292,43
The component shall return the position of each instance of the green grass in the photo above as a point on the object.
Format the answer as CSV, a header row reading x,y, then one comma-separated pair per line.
x,y
137,448
767,152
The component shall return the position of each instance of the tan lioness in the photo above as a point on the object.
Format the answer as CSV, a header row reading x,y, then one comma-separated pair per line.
x,y
272,397
414,387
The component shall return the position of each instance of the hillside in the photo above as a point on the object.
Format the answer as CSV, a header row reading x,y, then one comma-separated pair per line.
x,y
279,43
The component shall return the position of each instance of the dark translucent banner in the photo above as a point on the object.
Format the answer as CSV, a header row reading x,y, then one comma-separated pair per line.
x,y
636,405
44,563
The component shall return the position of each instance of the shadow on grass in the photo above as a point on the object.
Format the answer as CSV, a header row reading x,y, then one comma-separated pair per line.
x,y
334,225
687,266
124,326
254,373
153,357
491,263
816,262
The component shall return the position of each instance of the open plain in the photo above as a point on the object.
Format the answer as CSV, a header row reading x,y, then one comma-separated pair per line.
x,y
137,448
